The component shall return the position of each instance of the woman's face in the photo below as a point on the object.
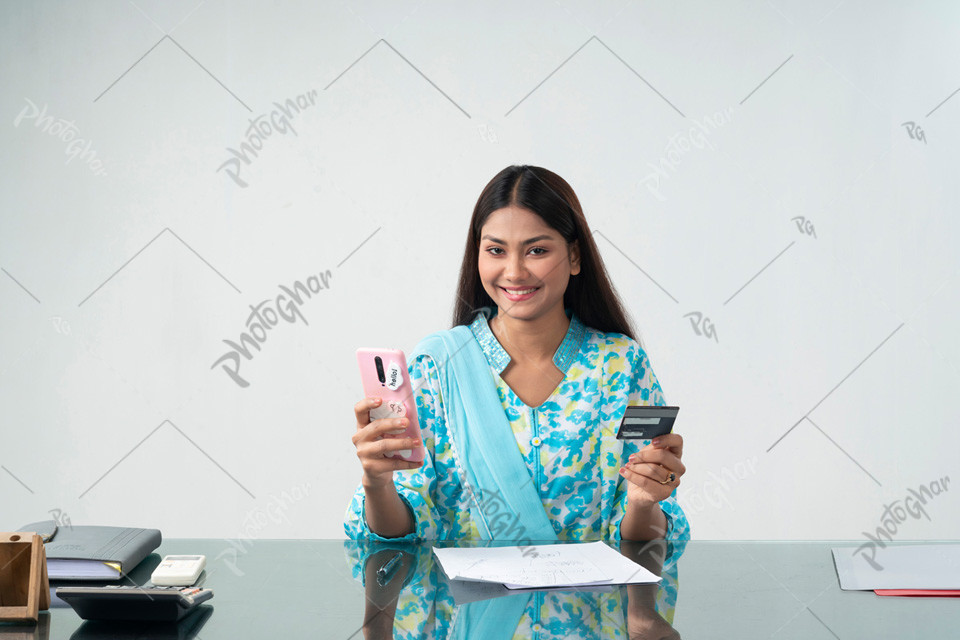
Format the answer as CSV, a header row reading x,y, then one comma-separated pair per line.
x,y
524,263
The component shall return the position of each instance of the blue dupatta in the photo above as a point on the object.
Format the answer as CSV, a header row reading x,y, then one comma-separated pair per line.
x,y
504,502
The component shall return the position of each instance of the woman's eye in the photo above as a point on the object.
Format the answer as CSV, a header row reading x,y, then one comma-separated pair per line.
x,y
498,250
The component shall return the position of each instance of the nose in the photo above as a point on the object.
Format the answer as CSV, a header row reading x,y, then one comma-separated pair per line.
x,y
515,269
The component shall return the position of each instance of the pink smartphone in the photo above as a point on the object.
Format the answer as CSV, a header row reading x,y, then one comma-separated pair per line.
x,y
384,375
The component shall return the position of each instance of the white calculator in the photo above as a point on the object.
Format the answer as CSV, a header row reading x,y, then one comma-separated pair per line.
x,y
178,571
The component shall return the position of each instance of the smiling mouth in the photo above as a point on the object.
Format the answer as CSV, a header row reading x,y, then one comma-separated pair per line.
x,y
520,292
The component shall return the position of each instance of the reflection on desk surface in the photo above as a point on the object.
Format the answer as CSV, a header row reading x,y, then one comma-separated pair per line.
x,y
414,599
186,629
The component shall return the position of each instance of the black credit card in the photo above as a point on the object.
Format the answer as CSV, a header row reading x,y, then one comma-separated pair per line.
x,y
646,423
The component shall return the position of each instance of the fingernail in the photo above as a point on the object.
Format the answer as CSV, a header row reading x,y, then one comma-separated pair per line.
x,y
656,441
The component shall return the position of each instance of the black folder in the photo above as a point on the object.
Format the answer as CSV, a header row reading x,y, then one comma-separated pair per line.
x,y
81,552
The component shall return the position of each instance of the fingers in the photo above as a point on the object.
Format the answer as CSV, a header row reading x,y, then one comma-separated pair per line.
x,y
660,457
362,410
672,441
387,426
652,466
376,455
650,478
386,447
381,429
654,473
378,441
377,466
378,470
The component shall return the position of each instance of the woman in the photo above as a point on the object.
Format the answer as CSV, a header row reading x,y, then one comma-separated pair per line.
x,y
520,402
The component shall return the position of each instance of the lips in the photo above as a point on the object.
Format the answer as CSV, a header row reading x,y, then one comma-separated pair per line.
x,y
519,294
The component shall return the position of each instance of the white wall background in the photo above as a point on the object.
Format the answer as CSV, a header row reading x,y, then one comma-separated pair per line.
x,y
695,133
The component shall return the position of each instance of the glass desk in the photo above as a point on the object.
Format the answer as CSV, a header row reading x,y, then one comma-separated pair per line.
x,y
329,589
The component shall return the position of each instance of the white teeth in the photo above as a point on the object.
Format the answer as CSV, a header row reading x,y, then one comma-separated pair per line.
x,y
520,293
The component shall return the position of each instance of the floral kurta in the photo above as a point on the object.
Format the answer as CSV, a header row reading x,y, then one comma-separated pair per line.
x,y
568,442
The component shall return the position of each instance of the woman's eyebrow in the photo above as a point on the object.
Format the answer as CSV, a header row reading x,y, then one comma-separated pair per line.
x,y
530,241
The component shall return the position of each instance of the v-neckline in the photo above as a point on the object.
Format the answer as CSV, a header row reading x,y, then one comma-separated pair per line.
x,y
554,392
498,358
571,329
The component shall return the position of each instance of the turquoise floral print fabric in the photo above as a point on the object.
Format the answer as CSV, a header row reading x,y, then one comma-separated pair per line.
x,y
568,442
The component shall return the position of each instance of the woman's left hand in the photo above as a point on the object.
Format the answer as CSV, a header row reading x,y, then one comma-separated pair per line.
x,y
649,470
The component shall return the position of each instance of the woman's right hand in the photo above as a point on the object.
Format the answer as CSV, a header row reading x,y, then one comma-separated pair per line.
x,y
373,446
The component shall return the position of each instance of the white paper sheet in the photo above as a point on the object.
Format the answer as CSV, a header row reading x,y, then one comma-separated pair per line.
x,y
927,566
466,591
540,566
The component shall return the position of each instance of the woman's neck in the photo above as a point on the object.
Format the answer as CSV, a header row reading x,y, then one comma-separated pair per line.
x,y
534,340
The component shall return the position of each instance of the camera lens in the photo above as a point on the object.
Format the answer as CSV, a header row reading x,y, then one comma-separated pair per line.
x,y
380,373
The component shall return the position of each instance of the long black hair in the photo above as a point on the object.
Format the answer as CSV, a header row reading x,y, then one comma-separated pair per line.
x,y
589,294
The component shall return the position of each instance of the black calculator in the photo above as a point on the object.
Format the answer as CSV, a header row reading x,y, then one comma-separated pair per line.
x,y
129,602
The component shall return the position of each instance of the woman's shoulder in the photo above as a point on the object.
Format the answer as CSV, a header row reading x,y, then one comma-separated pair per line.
x,y
421,363
612,346
435,348
619,360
